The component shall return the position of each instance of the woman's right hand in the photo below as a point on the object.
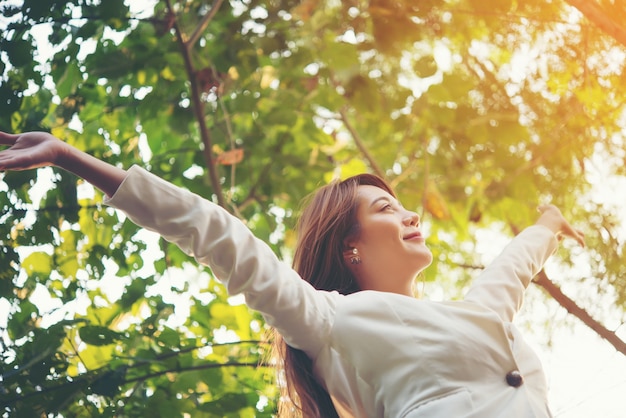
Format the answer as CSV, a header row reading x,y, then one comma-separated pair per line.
x,y
40,149
30,150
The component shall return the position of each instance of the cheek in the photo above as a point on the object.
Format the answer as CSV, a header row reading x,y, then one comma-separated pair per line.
x,y
381,236
373,232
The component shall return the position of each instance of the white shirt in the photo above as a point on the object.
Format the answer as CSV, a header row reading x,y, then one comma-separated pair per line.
x,y
378,354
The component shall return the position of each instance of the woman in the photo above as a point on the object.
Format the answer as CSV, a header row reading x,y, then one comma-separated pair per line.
x,y
357,343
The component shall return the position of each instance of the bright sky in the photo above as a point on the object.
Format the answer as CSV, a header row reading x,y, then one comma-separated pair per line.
x,y
586,375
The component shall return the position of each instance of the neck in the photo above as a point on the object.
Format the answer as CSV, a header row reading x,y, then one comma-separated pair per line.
x,y
399,286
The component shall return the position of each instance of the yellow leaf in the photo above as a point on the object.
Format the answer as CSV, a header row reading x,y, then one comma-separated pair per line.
x,y
268,75
72,370
167,74
94,357
59,132
353,167
233,74
37,263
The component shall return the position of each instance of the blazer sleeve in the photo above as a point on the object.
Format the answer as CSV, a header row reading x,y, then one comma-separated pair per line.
x,y
501,285
245,264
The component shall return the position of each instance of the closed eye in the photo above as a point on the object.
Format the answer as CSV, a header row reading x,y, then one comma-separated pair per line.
x,y
385,204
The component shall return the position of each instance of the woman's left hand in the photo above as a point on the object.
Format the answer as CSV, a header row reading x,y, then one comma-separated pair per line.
x,y
552,218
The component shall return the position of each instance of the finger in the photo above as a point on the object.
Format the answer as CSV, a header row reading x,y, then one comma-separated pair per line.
x,y
580,237
7,139
5,163
576,234
545,208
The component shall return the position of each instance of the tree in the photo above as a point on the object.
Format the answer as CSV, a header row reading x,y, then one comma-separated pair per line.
x,y
474,111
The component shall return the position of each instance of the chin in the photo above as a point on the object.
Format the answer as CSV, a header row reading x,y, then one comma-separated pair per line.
x,y
426,260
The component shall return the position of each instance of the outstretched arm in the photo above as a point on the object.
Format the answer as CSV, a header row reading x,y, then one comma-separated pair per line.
x,y
40,149
501,285
245,264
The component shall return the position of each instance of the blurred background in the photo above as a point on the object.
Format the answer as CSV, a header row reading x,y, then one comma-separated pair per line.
x,y
475,112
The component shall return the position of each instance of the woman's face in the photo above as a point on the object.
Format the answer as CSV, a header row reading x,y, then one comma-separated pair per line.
x,y
390,244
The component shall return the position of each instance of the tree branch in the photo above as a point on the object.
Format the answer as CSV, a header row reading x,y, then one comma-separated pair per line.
x,y
37,358
52,208
599,17
198,367
203,24
84,381
542,279
360,145
570,306
553,290
198,109
190,349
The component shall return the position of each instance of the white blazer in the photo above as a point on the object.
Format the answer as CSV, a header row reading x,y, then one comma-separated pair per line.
x,y
378,354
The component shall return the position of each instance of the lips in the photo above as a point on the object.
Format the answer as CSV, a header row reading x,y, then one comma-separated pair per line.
x,y
413,235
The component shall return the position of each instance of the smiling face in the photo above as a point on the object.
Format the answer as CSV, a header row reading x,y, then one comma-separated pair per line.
x,y
389,243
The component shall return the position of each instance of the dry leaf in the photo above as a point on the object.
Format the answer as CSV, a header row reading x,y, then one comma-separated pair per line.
x,y
435,203
231,157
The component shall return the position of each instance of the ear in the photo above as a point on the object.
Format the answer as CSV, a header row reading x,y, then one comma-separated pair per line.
x,y
349,243
349,246
347,253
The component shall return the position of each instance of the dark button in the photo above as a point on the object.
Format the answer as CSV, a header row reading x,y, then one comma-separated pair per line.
x,y
514,378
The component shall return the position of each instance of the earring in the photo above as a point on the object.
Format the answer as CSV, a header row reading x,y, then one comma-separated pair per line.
x,y
354,258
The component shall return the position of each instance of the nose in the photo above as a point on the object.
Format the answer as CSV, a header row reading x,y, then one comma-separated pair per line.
x,y
411,219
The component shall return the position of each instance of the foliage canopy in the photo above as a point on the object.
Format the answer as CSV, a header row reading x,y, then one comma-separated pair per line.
x,y
473,110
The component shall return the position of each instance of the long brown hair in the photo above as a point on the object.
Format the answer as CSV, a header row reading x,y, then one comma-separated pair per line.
x,y
326,222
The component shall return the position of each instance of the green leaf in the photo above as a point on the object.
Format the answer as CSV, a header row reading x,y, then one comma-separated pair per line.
x,y
16,179
98,335
341,57
112,10
109,383
19,51
169,337
69,80
228,403
23,320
